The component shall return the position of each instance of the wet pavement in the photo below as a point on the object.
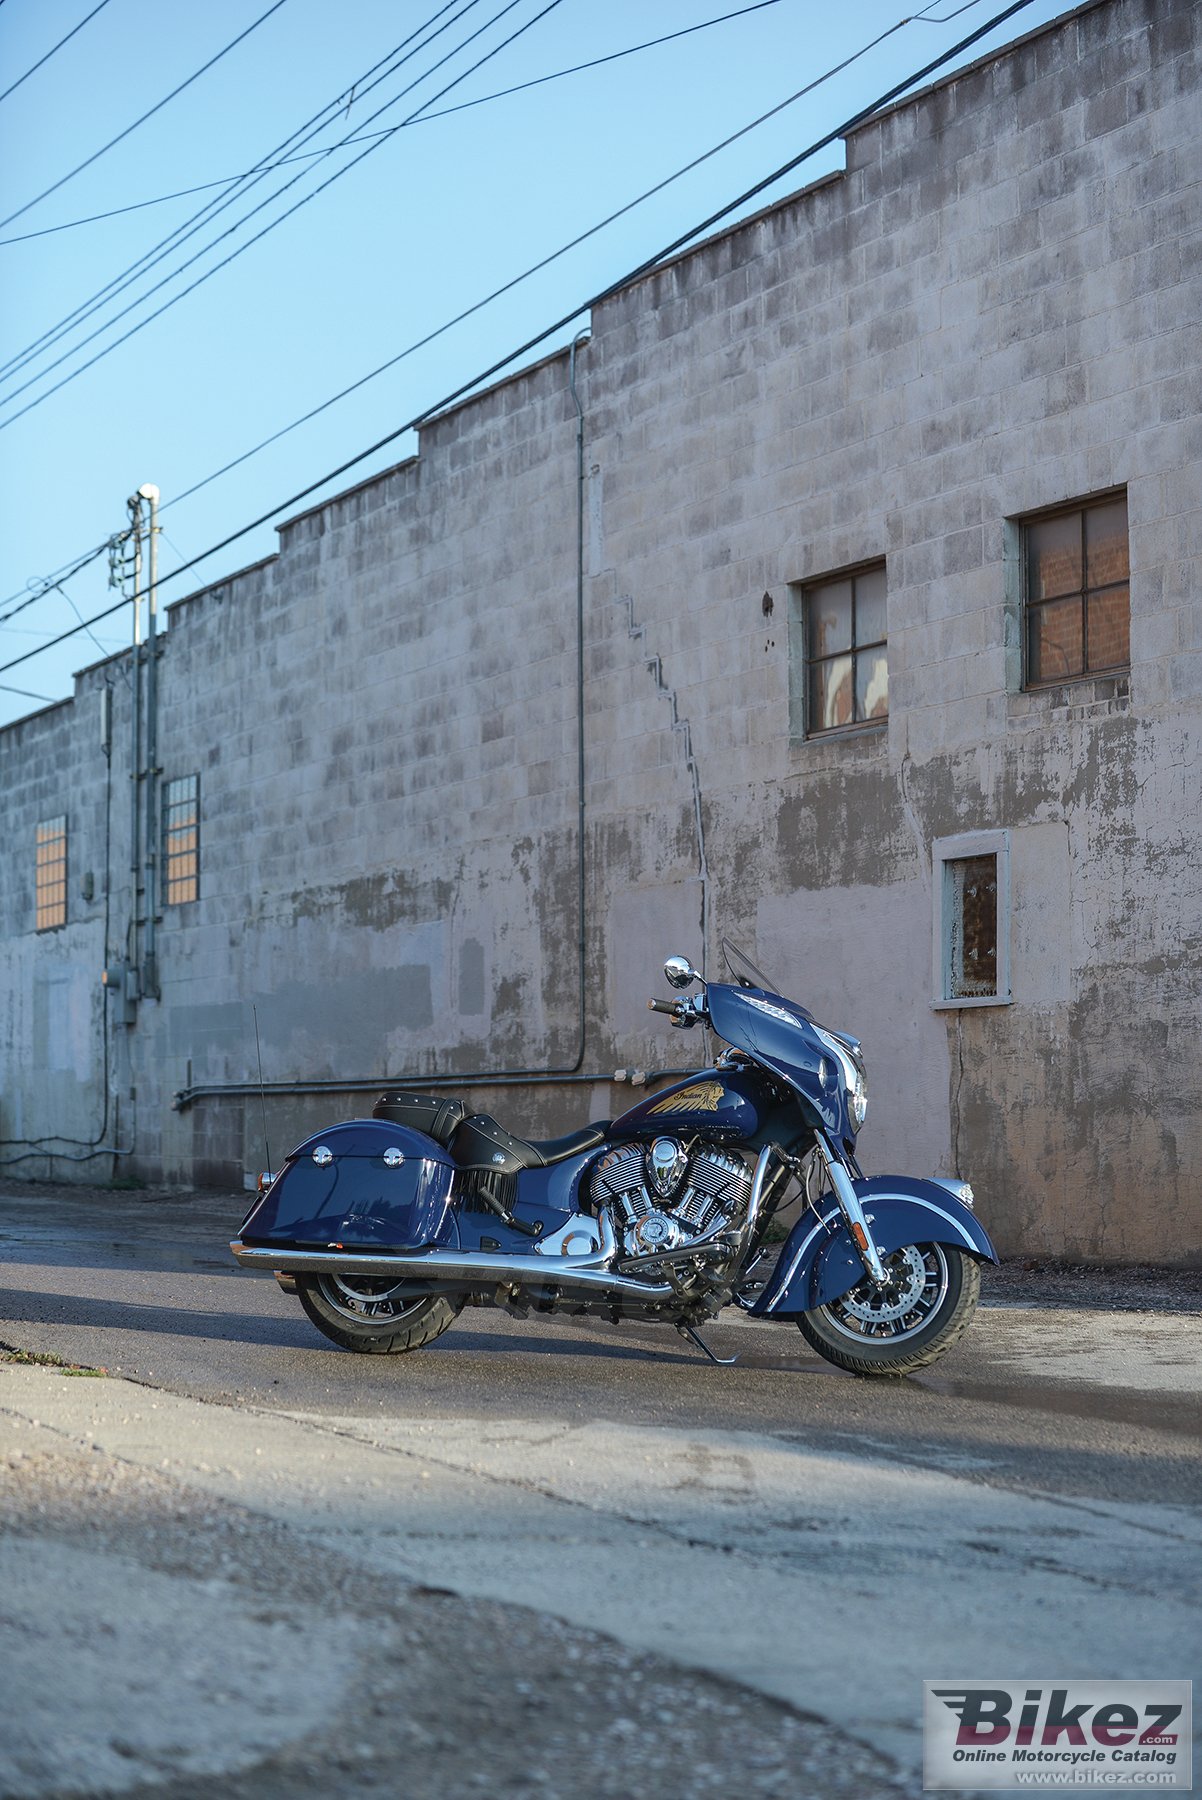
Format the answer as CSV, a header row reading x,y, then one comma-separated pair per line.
x,y
1028,1505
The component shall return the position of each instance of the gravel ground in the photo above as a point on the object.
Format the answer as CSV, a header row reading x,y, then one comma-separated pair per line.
x,y
451,1697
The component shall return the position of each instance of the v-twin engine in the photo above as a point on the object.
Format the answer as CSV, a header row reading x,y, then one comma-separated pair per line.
x,y
663,1197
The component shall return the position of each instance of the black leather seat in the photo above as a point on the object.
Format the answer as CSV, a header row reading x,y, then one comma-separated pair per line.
x,y
480,1143
553,1150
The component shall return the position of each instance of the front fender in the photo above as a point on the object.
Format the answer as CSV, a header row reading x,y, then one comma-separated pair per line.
x,y
820,1262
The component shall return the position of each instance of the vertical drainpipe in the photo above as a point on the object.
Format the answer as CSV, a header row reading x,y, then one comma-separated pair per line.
x,y
150,984
580,845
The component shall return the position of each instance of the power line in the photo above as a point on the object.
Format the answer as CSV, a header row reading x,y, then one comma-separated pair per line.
x,y
212,208
269,227
157,107
537,267
45,59
444,112
190,226
24,692
66,573
644,268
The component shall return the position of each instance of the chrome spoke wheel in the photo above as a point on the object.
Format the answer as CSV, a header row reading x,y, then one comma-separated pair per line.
x,y
366,1298
914,1291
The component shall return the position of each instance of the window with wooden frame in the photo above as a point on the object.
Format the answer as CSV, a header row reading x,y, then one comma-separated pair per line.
x,y
50,873
1077,591
846,659
181,840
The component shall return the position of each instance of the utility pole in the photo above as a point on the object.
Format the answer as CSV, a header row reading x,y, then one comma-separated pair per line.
x,y
138,975
133,978
150,967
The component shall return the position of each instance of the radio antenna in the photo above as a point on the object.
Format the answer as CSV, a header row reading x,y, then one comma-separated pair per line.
x,y
262,1090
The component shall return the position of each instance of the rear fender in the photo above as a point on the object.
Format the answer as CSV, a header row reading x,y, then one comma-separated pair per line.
x,y
820,1262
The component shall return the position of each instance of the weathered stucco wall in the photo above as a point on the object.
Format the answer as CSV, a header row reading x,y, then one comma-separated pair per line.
x,y
993,310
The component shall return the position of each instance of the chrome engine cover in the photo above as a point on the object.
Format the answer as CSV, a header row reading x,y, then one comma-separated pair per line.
x,y
711,1186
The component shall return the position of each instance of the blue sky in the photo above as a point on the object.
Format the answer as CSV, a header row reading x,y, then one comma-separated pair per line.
x,y
440,214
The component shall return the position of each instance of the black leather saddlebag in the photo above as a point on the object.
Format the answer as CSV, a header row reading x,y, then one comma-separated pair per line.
x,y
437,1116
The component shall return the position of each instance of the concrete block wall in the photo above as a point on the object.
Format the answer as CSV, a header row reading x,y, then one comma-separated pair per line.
x,y
993,310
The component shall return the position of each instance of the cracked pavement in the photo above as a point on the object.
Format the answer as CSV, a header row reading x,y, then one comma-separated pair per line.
x,y
246,1557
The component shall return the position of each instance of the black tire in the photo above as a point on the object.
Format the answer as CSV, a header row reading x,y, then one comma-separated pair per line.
x,y
942,1312
387,1325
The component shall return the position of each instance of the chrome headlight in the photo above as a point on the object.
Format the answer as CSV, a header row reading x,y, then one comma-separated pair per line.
x,y
857,1099
855,1077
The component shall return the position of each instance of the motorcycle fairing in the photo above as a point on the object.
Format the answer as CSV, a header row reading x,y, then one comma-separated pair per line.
x,y
356,1200
780,1034
819,1262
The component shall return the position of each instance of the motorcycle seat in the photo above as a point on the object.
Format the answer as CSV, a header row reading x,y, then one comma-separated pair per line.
x,y
480,1143
553,1150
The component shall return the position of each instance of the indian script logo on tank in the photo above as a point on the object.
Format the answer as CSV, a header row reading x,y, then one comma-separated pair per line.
x,y
703,1096
1015,1734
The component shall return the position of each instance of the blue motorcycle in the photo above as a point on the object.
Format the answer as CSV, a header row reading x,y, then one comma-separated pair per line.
x,y
386,1228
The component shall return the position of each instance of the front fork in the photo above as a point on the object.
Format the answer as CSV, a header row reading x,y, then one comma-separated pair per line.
x,y
853,1212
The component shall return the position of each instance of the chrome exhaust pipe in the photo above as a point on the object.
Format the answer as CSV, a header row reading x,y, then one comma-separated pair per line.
x,y
590,1271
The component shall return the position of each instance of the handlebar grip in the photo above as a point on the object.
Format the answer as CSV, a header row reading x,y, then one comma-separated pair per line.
x,y
664,1006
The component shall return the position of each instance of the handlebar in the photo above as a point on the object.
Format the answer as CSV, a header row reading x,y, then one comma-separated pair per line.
x,y
664,1006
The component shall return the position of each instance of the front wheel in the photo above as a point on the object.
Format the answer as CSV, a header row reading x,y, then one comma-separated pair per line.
x,y
928,1302
372,1315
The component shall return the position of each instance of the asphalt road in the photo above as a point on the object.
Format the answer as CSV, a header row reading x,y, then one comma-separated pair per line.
x,y
1027,1508
1071,1400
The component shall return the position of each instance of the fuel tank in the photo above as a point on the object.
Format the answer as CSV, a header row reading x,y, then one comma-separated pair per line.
x,y
727,1106
363,1184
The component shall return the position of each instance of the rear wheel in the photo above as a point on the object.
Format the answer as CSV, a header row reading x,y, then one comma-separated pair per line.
x,y
373,1314
928,1303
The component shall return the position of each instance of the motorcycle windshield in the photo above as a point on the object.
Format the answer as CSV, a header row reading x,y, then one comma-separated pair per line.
x,y
742,970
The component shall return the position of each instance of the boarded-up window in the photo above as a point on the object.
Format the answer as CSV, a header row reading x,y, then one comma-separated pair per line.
x,y
1077,591
847,666
972,919
50,873
972,923
181,840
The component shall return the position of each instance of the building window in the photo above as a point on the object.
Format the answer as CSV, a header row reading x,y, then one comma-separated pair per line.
x,y
972,919
1077,575
50,873
181,840
846,666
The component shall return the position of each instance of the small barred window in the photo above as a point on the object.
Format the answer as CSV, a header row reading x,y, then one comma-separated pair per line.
x,y
181,840
50,873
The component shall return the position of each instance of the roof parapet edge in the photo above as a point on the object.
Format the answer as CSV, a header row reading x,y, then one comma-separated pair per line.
x,y
222,581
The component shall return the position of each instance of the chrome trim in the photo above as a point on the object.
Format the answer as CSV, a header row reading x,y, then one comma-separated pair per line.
x,y
579,1225
853,1212
476,1268
757,1192
721,1234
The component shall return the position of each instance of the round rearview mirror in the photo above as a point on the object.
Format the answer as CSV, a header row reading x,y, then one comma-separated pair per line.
x,y
680,972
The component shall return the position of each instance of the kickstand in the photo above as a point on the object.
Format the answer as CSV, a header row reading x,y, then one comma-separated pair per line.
x,y
723,1362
